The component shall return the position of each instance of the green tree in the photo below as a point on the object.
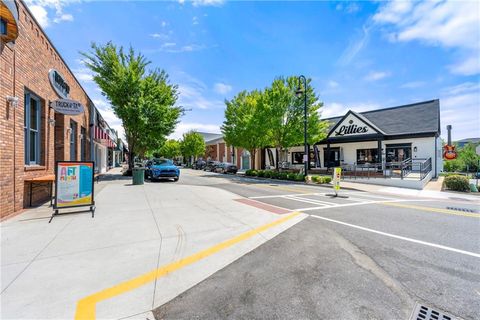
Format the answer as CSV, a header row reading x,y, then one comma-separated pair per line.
x,y
285,114
245,124
469,158
143,100
192,145
170,149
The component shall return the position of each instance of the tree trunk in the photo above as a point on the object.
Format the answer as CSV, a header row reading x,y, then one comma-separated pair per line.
x,y
252,154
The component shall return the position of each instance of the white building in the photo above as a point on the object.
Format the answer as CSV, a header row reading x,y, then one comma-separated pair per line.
x,y
401,143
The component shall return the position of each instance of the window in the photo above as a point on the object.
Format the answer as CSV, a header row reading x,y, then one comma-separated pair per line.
x,y
367,156
83,144
73,140
297,157
3,26
31,125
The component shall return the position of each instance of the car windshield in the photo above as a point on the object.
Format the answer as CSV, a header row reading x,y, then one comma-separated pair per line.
x,y
162,162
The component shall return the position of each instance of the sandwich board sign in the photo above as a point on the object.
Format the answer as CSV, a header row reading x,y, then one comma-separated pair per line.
x,y
337,174
74,186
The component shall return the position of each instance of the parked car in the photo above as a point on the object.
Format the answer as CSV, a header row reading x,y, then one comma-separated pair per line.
x,y
199,164
162,169
226,167
210,166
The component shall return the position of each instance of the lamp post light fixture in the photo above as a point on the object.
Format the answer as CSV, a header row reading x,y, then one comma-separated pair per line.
x,y
302,90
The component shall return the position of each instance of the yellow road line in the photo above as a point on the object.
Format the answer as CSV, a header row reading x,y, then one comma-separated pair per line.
x,y
86,306
432,209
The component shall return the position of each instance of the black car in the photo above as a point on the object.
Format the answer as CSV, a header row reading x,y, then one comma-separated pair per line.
x,y
210,166
226,167
199,164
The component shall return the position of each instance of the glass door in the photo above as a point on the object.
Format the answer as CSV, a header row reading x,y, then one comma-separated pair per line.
x,y
398,153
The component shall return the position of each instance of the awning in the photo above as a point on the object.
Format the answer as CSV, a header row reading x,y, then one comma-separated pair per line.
x,y
102,137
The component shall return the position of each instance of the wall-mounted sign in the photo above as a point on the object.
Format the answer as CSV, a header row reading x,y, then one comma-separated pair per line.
x,y
67,106
350,126
58,83
449,152
73,184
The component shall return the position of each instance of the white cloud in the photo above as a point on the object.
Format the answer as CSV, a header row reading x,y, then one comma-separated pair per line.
x,y
413,85
83,74
355,46
193,93
41,8
217,3
194,20
336,109
376,75
222,88
332,84
449,24
164,24
159,35
169,44
184,127
109,116
40,14
460,107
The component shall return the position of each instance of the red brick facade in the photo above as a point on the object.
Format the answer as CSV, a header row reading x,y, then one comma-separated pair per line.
x,y
24,67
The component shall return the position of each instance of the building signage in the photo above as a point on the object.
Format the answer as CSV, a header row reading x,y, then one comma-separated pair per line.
x,y
58,83
350,126
73,184
67,106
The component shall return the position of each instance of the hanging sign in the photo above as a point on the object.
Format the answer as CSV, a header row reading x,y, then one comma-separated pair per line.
x,y
73,184
58,83
337,174
67,106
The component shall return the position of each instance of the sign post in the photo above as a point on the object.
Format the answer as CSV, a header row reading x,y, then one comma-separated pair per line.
x,y
337,175
74,186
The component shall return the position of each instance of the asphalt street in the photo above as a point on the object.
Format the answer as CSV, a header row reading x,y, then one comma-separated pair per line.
x,y
365,256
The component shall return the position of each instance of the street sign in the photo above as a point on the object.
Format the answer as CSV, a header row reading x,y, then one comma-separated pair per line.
x,y
73,185
337,174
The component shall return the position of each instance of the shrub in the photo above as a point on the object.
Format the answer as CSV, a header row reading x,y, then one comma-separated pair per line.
x,y
249,172
261,173
457,183
275,175
291,176
299,177
327,179
314,179
267,174
283,175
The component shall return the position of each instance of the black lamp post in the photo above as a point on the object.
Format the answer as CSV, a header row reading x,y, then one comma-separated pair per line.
x,y
299,92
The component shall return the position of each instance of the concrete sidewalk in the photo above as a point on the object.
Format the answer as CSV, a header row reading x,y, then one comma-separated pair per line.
x,y
48,268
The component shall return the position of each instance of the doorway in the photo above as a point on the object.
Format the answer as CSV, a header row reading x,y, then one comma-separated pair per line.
x,y
332,159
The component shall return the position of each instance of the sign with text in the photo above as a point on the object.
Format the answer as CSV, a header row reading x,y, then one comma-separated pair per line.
x,y
73,184
337,174
67,106
350,126
58,83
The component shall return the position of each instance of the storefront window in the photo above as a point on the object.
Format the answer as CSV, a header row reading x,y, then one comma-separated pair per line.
x,y
367,156
297,157
31,125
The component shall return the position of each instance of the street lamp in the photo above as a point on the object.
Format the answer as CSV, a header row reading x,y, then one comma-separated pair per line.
x,y
299,92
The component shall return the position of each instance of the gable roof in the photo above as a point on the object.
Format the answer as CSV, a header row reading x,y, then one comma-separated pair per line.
x,y
207,136
359,117
421,117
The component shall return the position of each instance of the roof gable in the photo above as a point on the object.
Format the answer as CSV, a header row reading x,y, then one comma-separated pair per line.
x,y
353,124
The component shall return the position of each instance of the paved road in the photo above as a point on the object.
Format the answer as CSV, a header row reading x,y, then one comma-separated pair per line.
x,y
368,256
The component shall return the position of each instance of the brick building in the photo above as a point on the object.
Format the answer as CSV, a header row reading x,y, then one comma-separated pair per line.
x,y
33,135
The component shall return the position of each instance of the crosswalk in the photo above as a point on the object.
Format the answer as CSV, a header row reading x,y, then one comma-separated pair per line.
x,y
318,201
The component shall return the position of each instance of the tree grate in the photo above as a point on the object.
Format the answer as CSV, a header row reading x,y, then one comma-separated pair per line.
x,y
462,209
422,312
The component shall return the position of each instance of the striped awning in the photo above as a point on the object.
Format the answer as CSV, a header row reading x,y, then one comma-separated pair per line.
x,y
102,137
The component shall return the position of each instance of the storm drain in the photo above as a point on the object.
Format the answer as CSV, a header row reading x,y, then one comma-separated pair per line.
x,y
462,209
422,312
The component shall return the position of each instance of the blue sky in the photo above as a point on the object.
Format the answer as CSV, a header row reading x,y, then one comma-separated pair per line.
x,y
360,55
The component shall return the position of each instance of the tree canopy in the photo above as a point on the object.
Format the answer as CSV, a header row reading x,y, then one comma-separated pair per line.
x,y
192,145
143,100
245,124
170,149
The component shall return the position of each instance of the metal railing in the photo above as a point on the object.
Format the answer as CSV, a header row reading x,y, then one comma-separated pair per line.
x,y
408,168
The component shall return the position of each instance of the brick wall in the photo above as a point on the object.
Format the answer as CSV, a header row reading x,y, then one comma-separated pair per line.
x,y
25,66
221,154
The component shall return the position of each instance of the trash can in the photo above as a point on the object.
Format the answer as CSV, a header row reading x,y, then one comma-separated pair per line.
x,y
138,175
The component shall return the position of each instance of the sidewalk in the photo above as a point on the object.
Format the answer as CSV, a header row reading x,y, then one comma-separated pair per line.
x,y
46,269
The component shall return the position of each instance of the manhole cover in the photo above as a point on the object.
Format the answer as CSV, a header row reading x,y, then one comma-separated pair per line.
x,y
462,209
422,312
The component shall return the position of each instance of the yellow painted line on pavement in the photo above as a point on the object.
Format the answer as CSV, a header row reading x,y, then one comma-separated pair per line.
x,y
86,306
432,209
